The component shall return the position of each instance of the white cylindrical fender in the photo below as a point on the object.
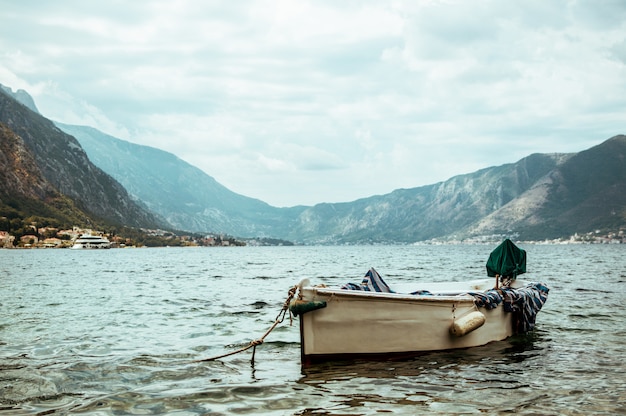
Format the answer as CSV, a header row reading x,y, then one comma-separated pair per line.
x,y
467,323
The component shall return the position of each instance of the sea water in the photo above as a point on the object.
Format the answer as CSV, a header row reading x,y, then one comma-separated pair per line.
x,y
120,331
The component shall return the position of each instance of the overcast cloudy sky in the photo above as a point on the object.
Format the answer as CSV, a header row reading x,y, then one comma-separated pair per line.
x,y
300,102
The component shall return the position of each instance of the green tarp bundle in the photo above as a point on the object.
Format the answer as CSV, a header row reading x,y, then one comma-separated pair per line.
x,y
506,260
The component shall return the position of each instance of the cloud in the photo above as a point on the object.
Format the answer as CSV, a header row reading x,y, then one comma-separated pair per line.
x,y
306,102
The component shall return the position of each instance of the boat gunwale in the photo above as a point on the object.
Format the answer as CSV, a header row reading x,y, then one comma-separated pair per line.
x,y
434,298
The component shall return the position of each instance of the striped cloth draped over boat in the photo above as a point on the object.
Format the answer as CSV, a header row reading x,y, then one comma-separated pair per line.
x,y
372,282
524,303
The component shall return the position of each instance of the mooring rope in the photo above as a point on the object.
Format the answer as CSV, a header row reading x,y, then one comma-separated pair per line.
x,y
253,344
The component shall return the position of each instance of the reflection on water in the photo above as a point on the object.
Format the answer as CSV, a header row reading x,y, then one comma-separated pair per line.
x,y
448,382
511,351
119,332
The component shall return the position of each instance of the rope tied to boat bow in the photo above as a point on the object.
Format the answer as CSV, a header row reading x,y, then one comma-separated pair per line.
x,y
253,344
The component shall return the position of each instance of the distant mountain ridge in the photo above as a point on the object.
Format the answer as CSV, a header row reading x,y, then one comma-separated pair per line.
x,y
541,196
443,210
186,197
524,198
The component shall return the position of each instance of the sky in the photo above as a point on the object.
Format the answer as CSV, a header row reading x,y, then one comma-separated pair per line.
x,y
301,102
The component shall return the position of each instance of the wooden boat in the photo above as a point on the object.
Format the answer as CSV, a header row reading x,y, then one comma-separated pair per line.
x,y
372,320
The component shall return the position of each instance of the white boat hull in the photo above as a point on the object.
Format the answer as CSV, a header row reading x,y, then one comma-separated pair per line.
x,y
357,323
88,246
90,242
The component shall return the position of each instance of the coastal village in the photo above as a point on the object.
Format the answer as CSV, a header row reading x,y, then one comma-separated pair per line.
x,y
48,237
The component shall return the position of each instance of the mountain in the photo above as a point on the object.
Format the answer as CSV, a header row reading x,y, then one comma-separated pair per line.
x,y
42,163
541,196
441,210
186,197
587,192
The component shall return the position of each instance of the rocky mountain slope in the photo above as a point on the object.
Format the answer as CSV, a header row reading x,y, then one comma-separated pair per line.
x,y
443,210
42,161
24,189
541,196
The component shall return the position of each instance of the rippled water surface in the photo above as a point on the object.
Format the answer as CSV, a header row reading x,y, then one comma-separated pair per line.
x,y
120,332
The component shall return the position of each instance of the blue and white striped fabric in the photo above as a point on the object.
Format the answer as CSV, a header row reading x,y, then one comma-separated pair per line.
x,y
524,303
372,282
